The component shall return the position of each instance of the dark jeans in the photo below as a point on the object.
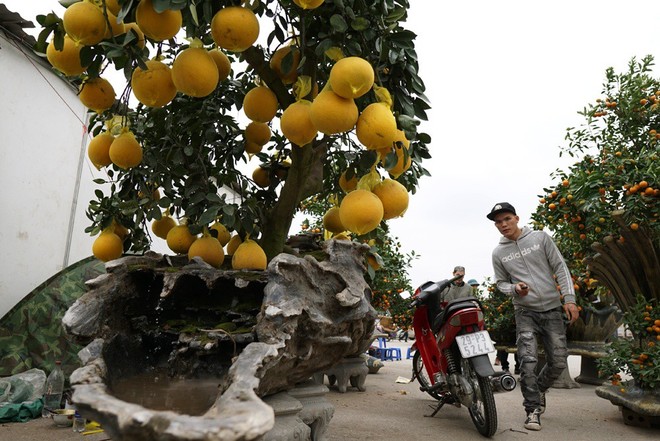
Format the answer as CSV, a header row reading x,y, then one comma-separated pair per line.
x,y
550,328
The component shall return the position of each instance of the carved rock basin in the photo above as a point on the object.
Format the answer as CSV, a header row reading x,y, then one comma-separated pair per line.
x,y
257,333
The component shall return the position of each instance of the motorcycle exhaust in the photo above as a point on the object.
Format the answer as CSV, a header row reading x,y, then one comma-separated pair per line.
x,y
503,381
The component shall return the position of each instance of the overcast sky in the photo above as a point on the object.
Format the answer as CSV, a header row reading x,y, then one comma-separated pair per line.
x,y
505,79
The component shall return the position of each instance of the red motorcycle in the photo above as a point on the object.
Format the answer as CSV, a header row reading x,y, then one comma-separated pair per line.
x,y
451,360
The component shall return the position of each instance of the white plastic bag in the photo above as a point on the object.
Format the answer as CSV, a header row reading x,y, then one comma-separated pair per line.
x,y
23,387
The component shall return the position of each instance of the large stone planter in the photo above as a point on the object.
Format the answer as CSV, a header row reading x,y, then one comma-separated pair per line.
x,y
639,407
589,338
154,313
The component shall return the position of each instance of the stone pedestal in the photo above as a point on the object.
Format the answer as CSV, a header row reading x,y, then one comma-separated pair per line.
x,y
589,352
288,424
350,369
317,411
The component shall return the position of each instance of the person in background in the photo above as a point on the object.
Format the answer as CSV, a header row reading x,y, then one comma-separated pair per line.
x,y
528,266
475,286
458,288
502,359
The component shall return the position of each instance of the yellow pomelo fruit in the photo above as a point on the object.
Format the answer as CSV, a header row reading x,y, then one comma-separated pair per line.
x,y
233,243
126,151
376,127
309,4
258,133
153,87
332,114
98,149
394,197
404,161
296,123
222,62
348,185
162,226
351,77
157,26
289,72
112,6
361,211
132,26
194,72
67,60
332,221
108,246
235,28
341,236
260,104
179,239
261,177
84,23
223,233
249,256
209,249
97,94
115,28
252,147
371,260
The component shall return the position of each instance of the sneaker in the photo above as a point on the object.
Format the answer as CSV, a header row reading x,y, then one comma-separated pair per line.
x,y
533,421
541,408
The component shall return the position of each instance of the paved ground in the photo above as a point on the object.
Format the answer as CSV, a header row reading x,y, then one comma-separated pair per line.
x,y
390,411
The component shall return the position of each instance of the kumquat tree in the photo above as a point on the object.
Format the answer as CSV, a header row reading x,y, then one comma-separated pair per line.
x,y
324,94
605,206
618,150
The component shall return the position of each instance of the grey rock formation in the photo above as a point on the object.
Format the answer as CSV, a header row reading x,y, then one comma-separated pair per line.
x,y
259,333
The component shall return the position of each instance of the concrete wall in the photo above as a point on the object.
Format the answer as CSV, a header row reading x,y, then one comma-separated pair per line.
x,y
45,178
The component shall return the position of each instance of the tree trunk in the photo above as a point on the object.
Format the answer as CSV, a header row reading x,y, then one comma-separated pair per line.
x,y
305,178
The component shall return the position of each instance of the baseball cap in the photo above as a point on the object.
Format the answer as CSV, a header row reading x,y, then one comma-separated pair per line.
x,y
499,208
472,282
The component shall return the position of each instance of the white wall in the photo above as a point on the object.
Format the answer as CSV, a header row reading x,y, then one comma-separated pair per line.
x,y
42,163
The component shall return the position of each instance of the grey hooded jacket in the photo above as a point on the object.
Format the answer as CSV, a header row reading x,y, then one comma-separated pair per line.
x,y
533,259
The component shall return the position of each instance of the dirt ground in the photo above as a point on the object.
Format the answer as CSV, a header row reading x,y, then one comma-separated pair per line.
x,y
391,411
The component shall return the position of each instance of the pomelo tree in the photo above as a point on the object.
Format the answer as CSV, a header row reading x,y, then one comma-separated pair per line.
x,y
213,84
617,170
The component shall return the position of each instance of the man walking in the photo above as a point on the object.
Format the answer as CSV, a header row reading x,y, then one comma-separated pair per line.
x,y
529,267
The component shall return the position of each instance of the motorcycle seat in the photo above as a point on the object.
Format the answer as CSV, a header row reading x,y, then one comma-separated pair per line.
x,y
452,306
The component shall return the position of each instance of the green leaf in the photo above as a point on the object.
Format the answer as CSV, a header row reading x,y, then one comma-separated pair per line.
x,y
208,216
360,24
338,24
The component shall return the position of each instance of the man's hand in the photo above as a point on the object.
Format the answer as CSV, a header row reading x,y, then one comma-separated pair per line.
x,y
571,311
522,289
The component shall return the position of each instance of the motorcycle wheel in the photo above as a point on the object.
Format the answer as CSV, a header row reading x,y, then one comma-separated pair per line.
x,y
419,372
482,410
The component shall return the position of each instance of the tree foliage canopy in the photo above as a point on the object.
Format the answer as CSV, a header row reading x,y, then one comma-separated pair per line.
x,y
617,151
194,147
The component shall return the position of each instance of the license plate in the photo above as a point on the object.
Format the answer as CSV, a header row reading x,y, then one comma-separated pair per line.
x,y
477,343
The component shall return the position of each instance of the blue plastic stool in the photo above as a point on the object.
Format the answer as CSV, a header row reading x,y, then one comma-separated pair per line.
x,y
409,354
385,353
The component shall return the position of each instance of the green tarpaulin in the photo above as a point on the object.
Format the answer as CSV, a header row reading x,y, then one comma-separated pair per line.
x,y
31,333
